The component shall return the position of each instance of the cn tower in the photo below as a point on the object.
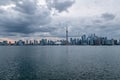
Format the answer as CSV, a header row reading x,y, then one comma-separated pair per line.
x,y
66,35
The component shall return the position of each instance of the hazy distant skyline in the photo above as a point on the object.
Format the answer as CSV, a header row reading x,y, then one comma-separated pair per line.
x,y
48,18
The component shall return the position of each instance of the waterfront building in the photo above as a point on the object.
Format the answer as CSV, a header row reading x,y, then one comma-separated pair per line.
x,y
84,40
109,42
43,42
20,43
35,42
5,43
27,42
58,42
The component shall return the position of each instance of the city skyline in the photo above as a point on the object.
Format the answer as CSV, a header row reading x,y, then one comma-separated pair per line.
x,y
81,40
35,19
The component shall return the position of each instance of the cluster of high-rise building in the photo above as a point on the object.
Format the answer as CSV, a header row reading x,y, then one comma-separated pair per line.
x,y
33,42
93,40
83,40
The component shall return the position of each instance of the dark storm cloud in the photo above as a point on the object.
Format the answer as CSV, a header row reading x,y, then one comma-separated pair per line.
x,y
60,5
32,30
105,17
108,16
25,6
25,18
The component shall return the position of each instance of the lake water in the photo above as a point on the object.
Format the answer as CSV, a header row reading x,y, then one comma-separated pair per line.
x,y
60,63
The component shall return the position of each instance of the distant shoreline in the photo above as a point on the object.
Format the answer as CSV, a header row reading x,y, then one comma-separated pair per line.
x,y
59,45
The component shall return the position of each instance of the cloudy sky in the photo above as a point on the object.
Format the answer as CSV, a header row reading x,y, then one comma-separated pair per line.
x,y
33,19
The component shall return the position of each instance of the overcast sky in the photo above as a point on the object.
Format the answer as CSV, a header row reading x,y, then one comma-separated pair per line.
x,y
48,18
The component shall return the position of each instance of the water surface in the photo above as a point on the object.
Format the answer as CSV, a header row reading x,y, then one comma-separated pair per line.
x,y
59,63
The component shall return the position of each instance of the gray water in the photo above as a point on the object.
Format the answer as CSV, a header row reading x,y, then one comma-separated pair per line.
x,y
60,63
